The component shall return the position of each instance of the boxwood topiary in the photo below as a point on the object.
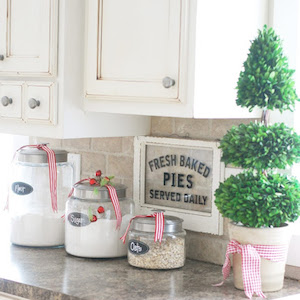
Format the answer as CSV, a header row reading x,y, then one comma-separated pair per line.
x,y
261,147
259,197
266,81
258,200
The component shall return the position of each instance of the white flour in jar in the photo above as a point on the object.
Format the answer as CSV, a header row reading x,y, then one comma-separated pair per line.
x,y
37,230
99,239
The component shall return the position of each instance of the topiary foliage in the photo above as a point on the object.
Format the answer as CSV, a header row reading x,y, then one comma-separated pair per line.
x,y
256,200
261,147
266,81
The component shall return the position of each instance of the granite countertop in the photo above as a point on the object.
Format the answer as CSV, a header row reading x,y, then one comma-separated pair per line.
x,y
52,274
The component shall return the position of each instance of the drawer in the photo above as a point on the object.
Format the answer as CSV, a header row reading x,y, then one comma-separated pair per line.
x,y
39,103
11,99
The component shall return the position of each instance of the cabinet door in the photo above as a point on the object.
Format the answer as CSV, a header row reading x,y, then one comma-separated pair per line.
x,y
40,103
27,37
11,99
132,45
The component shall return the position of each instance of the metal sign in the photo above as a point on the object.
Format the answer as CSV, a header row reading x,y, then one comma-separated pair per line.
x,y
180,177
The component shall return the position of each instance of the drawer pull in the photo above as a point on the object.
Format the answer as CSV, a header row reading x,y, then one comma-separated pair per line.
x,y
168,82
5,100
33,103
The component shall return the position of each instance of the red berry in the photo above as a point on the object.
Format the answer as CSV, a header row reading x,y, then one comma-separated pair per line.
x,y
94,218
100,209
98,173
93,181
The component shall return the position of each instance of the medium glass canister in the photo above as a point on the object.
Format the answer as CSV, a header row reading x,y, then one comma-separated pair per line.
x,y
144,252
33,222
91,224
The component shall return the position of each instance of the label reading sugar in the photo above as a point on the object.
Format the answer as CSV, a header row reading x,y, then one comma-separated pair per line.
x,y
137,247
78,219
21,188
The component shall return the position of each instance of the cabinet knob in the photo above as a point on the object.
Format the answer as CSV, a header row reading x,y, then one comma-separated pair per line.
x,y
1,57
33,103
5,100
168,82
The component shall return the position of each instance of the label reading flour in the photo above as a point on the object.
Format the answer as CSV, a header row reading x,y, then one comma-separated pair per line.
x,y
78,219
21,188
137,247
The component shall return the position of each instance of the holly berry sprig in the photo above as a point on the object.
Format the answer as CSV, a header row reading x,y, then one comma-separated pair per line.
x,y
93,217
98,180
101,181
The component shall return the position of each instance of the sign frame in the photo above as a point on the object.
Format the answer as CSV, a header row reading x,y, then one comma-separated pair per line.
x,y
199,221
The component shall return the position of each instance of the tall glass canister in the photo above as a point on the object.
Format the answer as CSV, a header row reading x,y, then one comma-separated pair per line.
x,y
33,220
91,223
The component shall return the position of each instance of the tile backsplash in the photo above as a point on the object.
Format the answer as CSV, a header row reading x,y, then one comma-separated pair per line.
x,y
115,156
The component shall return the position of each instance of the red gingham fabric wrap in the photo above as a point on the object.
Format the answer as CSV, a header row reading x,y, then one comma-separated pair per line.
x,y
52,172
159,226
251,255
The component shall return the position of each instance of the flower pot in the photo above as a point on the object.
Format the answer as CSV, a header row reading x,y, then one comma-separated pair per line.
x,y
272,273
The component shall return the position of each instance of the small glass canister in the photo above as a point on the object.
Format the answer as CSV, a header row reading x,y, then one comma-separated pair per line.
x,y
33,220
91,223
144,252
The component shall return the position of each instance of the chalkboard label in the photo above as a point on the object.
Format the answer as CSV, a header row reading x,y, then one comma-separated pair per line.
x,y
78,219
137,247
21,188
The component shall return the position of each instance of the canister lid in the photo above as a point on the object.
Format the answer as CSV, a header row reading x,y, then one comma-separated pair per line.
x,y
34,155
172,224
84,191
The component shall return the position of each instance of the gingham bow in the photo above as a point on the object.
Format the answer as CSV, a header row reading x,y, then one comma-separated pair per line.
x,y
159,226
251,255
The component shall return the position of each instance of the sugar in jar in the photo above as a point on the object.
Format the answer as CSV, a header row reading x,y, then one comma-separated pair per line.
x,y
91,223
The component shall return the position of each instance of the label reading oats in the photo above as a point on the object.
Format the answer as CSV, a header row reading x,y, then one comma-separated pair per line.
x,y
137,247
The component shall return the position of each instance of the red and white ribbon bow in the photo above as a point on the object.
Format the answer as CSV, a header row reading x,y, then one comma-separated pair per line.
x,y
113,197
52,171
159,226
251,258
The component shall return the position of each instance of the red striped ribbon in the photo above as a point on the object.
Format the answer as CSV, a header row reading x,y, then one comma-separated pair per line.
x,y
52,172
115,201
72,190
251,257
159,226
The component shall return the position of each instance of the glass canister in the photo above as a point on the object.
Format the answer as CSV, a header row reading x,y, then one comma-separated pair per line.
x,y
143,252
91,224
33,220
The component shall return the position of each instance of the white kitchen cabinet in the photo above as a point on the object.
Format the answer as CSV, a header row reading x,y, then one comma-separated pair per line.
x,y
130,47
197,46
28,101
41,74
28,37
40,102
